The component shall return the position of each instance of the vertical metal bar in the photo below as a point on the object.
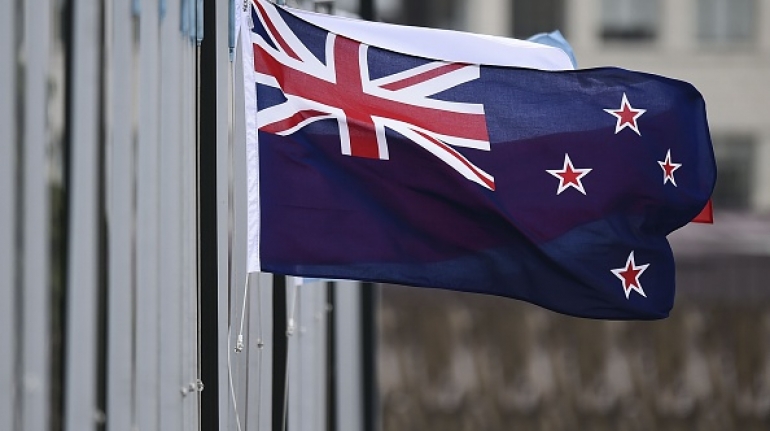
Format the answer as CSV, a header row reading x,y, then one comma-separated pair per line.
x,y
192,258
319,362
295,306
280,353
83,257
306,357
311,357
193,308
120,219
212,229
190,314
260,349
170,378
35,261
8,286
347,315
147,206
367,10
331,357
370,299
222,74
184,140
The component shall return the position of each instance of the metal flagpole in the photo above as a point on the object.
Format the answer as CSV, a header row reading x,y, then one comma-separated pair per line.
x,y
212,210
369,304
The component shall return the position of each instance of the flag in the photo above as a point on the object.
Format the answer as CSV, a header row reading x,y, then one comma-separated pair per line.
x,y
706,215
558,188
556,39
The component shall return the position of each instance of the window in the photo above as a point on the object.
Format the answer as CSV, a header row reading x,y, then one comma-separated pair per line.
x,y
629,20
537,16
725,20
735,171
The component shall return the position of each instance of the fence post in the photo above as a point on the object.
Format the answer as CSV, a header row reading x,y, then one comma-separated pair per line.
x,y
83,257
213,161
169,232
8,211
35,260
147,210
119,200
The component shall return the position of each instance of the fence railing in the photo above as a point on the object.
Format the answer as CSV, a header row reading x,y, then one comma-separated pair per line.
x,y
122,237
98,227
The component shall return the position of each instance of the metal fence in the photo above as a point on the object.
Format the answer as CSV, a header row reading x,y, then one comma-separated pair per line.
x,y
99,230
123,294
98,222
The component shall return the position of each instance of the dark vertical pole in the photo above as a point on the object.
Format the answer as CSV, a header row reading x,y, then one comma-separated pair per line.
x,y
417,13
103,266
367,11
61,211
280,353
331,359
369,304
207,221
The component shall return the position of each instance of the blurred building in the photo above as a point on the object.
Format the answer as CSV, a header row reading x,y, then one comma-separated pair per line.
x,y
454,361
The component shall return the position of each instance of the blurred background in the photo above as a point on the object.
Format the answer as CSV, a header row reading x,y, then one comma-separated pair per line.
x,y
123,288
455,361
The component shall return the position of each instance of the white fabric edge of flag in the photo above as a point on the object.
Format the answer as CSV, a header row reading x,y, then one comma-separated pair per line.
x,y
455,46
254,219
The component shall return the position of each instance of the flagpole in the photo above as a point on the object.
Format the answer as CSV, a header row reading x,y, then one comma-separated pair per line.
x,y
211,340
366,10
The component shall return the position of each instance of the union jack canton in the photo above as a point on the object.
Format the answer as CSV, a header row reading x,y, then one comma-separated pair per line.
x,y
341,88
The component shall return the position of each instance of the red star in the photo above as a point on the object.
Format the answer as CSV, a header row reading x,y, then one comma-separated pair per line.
x,y
629,275
569,176
626,116
668,168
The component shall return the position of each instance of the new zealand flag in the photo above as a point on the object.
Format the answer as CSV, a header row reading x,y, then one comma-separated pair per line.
x,y
553,187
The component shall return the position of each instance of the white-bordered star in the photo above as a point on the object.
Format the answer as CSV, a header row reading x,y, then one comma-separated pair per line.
x,y
630,274
626,116
668,168
569,176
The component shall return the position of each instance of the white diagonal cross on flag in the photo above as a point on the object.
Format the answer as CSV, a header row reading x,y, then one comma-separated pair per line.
x,y
341,89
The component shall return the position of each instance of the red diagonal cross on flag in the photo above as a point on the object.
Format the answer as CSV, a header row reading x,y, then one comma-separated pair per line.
x,y
341,89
